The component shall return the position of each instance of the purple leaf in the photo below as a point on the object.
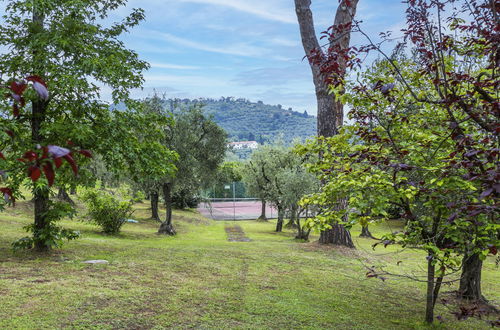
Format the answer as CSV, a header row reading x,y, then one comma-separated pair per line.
x,y
16,97
486,193
57,152
471,153
387,88
453,217
41,90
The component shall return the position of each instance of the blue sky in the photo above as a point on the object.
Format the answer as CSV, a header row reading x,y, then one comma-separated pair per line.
x,y
241,48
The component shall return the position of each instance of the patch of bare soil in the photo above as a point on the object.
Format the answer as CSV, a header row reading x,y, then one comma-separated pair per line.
x,y
192,220
236,234
462,309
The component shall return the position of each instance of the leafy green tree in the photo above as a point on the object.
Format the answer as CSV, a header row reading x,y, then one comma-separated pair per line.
x,y
276,175
201,146
399,153
229,172
141,155
253,175
65,45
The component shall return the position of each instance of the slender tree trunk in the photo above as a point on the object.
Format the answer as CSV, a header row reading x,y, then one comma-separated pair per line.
x,y
301,232
262,216
279,223
365,232
293,217
429,309
470,281
41,223
62,195
40,196
166,227
154,198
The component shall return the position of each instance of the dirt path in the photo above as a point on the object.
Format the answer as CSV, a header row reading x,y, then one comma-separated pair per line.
x,y
236,234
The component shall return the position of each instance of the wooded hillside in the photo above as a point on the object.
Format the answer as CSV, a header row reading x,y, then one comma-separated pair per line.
x,y
255,121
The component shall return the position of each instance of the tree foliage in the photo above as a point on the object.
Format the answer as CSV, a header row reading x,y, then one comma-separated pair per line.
x,y
425,138
277,175
64,47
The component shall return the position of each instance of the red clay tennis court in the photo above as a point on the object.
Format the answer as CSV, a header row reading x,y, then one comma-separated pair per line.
x,y
237,210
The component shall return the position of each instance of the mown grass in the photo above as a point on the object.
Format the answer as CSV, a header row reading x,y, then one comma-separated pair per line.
x,y
200,280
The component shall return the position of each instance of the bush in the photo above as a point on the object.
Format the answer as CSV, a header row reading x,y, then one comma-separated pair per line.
x,y
106,211
184,199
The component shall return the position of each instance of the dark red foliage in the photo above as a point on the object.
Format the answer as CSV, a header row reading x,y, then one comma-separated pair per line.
x,y
8,195
86,153
48,170
460,92
45,159
34,172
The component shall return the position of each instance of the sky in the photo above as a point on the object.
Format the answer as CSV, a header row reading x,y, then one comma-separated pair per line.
x,y
242,48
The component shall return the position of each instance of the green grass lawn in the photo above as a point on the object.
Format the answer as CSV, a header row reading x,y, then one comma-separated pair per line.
x,y
200,280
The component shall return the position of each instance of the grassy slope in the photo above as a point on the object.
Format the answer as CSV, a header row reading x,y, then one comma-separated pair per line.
x,y
199,279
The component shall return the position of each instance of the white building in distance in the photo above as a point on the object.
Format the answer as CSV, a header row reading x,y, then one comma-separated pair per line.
x,y
243,145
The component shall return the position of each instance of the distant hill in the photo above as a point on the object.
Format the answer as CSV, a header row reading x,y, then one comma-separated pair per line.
x,y
254,121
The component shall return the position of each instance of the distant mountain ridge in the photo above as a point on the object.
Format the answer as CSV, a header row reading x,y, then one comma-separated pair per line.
x,y
244,120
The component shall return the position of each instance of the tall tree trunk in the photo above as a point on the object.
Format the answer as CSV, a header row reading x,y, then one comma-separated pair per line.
x,y
38,110
279,223
262,216
154,198
338,234
470,281
330,111
166,227
40,196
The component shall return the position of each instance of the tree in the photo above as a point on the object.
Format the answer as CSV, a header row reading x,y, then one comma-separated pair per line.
x,y
263,178
296,183
443,36
399,152
154,161
253,178
201,146
323,66
63,43
229,172
277,176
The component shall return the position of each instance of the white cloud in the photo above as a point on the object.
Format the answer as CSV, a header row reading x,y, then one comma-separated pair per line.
x,y
182,80
261,9
172,66
238,49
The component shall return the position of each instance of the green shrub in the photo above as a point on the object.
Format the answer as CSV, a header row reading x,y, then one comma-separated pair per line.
x,y
106,211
